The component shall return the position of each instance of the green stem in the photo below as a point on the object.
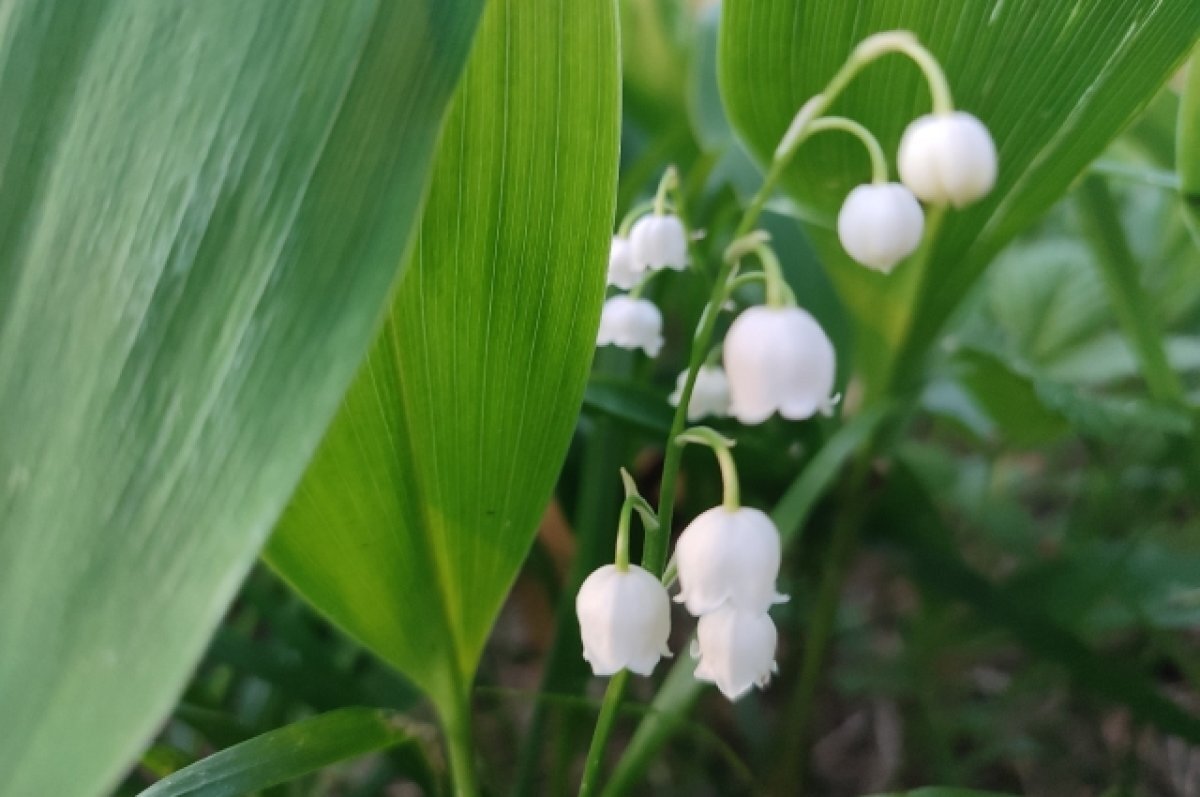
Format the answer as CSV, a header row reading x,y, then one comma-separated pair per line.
x,y
604,725
879,168
635,213
720,447
669,182
867,51
457,727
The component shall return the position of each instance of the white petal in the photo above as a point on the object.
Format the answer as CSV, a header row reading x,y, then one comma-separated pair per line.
x,y
659,242
737,650
728,556
624,620
948,158
621,271
778,360
631,324
880,225
710,395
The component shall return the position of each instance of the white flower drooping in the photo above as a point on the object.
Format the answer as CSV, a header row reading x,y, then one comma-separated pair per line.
x,y
778,359
624,620
621,273
710,394
736,650
880,224
658,241
948,157
728,556
631,323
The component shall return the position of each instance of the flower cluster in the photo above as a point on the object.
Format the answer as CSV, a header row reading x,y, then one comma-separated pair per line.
x,y
775,359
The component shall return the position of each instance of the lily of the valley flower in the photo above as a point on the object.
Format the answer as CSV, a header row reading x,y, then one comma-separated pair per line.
x,y
778,359
631,324
621,273
948,157
710,394
728,556
736,649
880,224
624,620
658,241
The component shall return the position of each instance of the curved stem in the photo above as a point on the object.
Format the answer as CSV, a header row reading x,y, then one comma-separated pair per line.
x,y
635,213
720,446
669,182
879,168
621,557
778,292
867,51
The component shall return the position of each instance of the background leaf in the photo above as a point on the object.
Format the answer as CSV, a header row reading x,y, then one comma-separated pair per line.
x,y
1054,82
204,207
287,753
422,502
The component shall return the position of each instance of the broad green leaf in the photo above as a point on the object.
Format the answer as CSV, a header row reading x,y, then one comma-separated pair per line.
x,y
204,207
414,517
1055,82
633,404
287,753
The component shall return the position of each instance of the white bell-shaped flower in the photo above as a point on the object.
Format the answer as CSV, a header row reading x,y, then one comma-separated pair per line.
x,y
624,620
948,157
658,242
631,324
621,273
728,556
778,359
880,224
710,394
736,650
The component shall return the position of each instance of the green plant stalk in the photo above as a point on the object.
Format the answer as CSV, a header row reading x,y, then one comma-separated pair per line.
x,y
604,726
456,722
1132,306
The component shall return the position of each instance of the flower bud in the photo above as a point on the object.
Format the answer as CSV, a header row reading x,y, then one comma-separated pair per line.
x,y
710,394
621,273
736,650
658,242
728,556
631,324
947,157
880,225
624,620
778,359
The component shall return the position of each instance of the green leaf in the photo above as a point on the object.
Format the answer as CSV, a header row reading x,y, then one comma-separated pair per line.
x,y
413,519
1055,82
287,753
631,403
1134,310
908,518
204,207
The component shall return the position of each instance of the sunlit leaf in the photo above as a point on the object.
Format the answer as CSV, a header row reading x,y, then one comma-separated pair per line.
x,y
204,205
422,502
